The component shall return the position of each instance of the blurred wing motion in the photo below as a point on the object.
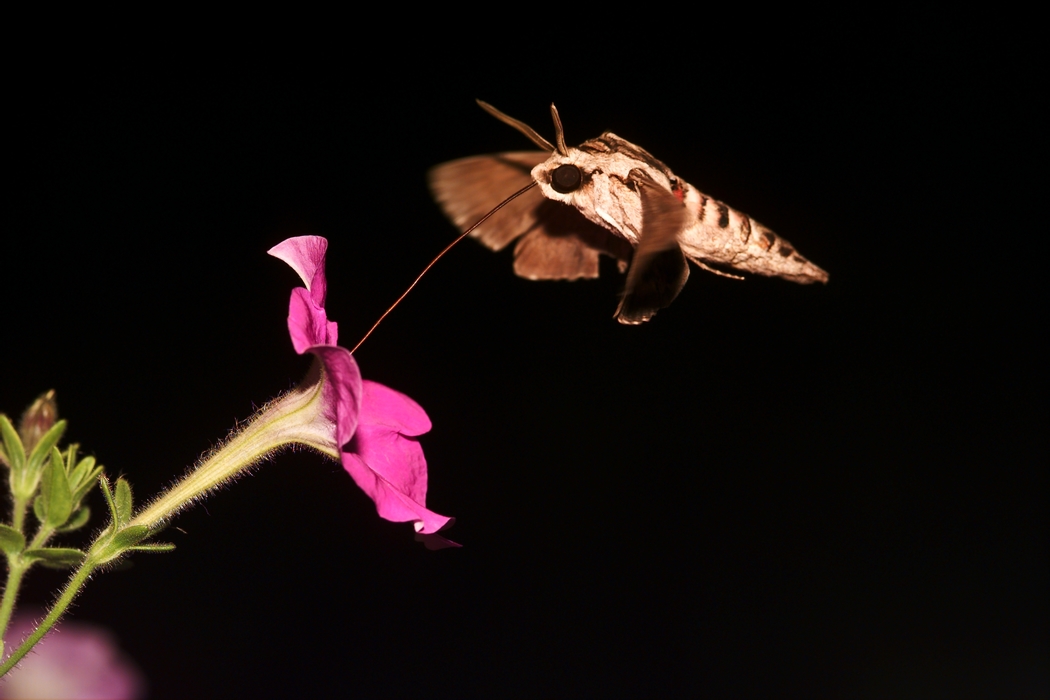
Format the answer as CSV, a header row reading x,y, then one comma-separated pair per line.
x,y
555,242
608,196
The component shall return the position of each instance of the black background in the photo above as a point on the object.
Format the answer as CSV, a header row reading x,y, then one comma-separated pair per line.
x,y
768,490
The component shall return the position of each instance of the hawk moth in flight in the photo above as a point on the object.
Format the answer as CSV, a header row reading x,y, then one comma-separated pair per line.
x,y
608,196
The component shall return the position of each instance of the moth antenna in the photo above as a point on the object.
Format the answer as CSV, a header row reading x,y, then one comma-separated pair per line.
x,y
559,133
426,269
520,126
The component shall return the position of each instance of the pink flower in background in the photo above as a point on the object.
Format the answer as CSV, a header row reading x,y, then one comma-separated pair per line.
x,y
375,426
74,661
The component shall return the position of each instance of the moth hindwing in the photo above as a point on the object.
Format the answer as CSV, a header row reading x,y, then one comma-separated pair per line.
x,y
608,196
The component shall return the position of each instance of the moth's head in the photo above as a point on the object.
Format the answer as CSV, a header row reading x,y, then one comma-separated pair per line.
x,y
561,174
560,177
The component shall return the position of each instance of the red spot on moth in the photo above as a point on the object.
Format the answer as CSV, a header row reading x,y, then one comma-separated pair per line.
x,y
678,190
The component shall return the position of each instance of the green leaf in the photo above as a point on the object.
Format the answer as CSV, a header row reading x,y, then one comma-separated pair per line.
x,y
55,556
78,520
11,540
15,453
123,502
43,448
55,493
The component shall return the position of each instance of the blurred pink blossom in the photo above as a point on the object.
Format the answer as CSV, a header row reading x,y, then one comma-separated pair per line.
x,y
75,661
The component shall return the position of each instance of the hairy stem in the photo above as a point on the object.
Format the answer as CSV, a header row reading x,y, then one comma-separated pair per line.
x,y
11,586
18,516
76,582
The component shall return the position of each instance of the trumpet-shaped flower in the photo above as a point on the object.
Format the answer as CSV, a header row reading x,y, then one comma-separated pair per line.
x,y
375,427
370,428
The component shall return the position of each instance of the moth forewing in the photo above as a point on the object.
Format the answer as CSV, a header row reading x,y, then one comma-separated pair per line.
x,y
553,241
469,188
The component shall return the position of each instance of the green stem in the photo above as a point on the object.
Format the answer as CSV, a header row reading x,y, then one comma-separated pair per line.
x,y
68,594
15,573
18,517
7,605
41,537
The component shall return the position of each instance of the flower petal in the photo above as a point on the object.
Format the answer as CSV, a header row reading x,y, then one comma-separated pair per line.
x,y
384,406
308,324
306,255
343,392
75,660
388,463
391,503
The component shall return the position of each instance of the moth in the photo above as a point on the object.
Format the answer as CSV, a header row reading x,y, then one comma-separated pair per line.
x,y
608,196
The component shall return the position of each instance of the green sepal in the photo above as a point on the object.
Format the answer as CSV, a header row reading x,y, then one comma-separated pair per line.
x,y
14,453
83,476
43,448
78,520
119,543
25,471
55,494
60,557
11,540
107,493
38,508
74,467
87,484
153,547
130,536
122,502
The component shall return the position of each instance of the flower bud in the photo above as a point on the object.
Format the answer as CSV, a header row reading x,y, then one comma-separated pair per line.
x,y
38,419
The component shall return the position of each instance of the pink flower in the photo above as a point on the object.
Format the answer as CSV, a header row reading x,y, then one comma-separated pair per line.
x,y
375,426
75,660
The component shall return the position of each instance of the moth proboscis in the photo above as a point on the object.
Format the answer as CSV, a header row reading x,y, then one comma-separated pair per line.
x,y
608,196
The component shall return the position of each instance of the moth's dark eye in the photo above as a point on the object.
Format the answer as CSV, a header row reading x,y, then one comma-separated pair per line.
x,y
566,178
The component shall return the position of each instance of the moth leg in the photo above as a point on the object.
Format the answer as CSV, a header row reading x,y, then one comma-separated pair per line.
x,y
718,272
